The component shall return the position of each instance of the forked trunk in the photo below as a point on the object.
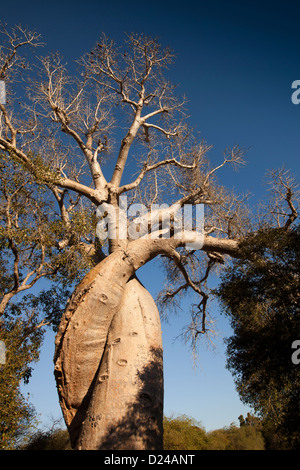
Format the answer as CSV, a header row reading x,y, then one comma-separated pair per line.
x,y
108,361
126,406
108,356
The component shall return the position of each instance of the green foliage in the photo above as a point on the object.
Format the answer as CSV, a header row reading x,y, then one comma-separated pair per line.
x,y
260,294
57,439
30,229
236,438
183,433
180,433
22,344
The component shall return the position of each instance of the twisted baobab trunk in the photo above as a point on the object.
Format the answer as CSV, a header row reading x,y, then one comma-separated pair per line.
x,y
129,382
108,359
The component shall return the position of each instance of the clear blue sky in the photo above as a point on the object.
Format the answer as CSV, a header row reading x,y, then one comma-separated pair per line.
x,y
236,62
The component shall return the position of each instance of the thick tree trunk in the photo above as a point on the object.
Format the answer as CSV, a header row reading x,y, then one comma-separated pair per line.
x,y
126,406
108,361
108,356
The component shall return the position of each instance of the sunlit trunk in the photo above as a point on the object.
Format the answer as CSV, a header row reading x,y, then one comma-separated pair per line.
x,y
108,357
108,361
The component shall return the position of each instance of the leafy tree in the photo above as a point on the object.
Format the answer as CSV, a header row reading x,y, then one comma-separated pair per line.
x,y
78,133
29,251
183,433
17,416
250,420
236,438
260,294
54,438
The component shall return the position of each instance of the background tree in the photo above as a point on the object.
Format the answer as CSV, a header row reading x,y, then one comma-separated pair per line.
x,y
40,231
22,263
246,437
180,433
260,295
81,133
184,433
17,416
29,230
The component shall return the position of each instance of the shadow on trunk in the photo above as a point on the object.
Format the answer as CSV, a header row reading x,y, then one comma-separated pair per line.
x,y
109,367
142,424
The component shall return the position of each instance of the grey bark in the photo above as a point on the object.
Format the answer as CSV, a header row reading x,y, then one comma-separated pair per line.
x,y
108,357
108,360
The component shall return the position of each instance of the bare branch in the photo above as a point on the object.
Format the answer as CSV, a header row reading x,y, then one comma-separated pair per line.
x,y
147,168
16,38
285,197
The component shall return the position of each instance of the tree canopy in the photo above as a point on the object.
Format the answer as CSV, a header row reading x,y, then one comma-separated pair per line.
x,y
29,252
260,294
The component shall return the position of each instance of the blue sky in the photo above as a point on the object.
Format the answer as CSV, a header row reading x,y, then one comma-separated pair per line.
x,y
236,62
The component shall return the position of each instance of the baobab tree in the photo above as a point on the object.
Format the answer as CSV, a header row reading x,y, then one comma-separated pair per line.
x,y
114,132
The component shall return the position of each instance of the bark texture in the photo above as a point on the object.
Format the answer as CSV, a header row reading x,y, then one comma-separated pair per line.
x,y
108,356
108,361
